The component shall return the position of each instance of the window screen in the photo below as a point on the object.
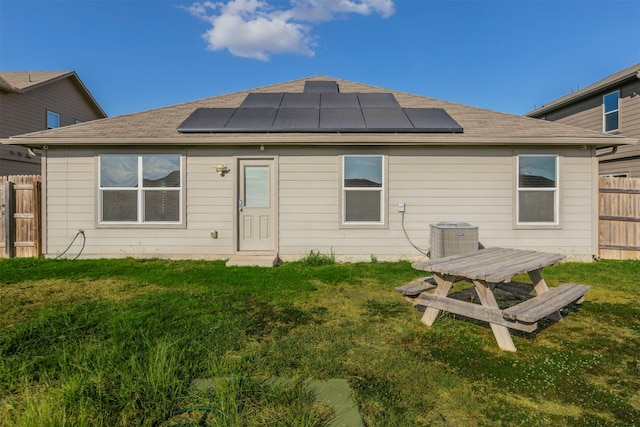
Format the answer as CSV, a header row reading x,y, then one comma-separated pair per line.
x,y
140,188
537,189
611,111
53,120
363,189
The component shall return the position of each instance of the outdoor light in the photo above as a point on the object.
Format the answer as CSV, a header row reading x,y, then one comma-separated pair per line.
x,y
222,170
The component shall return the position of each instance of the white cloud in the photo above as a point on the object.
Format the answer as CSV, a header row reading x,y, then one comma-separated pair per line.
x,y
256,29
325,10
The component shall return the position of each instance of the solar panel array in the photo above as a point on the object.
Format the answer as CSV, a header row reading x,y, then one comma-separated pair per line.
x,y
321,108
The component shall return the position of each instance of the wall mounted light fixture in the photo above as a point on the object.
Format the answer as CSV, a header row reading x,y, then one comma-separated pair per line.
x,y
222,170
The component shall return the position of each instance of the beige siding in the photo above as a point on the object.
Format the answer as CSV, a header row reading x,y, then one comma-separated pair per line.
x,y
587,114
629,167
630,110
474,185
16,160
71,197
27,112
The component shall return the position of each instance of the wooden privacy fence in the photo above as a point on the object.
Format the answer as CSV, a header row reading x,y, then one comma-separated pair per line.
x,y
619,225
20,213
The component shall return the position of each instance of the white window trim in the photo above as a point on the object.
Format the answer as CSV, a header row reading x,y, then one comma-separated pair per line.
x,y
605,113
556,199
140,189
616,175
383,197
54,114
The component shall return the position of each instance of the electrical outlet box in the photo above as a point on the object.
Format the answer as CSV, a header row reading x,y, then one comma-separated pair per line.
x,y
401,207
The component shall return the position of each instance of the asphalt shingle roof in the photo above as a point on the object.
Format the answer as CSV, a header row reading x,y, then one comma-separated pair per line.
x,y
24,80
160,125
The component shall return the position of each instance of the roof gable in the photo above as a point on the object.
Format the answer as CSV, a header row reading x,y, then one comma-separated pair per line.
x,y
25,81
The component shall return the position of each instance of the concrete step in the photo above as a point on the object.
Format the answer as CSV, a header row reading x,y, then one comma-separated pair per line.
x,y
253,260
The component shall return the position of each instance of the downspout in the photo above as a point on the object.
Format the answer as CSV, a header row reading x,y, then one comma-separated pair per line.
x,y
614,150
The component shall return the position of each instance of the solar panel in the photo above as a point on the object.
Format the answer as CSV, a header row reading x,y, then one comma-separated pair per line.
x,y
301,100
339,100
386,118
256,119
297,119
378,100
321,108
341,119
206,120
320,86
432,120
257,100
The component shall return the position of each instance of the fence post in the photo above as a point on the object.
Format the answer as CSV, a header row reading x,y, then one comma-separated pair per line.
x,y
7,218
4,226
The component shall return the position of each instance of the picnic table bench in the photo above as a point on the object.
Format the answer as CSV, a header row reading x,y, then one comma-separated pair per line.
x,y
494,268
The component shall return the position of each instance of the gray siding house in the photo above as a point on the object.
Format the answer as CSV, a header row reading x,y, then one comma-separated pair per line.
x,y
37,100
612,106
317,164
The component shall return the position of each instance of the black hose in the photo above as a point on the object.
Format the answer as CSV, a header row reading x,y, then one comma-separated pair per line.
x,y
428,251
84,241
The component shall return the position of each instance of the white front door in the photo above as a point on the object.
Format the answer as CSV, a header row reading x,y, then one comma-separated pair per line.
x,y
256,205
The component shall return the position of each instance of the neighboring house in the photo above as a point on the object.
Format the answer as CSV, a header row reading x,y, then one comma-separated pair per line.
x,y
611,106
316,164
36,100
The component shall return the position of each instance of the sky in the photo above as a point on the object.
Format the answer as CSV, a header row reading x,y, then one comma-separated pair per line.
x,y
504,55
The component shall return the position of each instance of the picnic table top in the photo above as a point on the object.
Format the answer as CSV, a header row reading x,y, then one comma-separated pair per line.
x,y
492,265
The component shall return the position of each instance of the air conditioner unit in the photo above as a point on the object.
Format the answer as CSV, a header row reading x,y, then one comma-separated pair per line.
x,y
452,238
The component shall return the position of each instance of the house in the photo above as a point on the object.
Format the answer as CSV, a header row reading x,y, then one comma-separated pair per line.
x,y
318,164
611,106
36,100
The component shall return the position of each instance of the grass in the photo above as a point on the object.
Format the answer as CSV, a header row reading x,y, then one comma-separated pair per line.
x,y
315,258
120,343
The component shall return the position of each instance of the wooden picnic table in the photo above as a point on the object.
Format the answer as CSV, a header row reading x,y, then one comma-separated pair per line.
x,y
495,267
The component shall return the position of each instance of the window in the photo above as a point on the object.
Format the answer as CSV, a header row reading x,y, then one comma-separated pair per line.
x,y
362,190
53,120
617,175
538,189
140,188
611,112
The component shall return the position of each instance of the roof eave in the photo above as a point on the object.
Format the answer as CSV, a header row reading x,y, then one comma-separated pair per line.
x,y
585,93
328,139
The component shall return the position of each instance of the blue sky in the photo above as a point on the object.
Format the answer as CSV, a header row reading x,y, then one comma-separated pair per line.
x,y
508,55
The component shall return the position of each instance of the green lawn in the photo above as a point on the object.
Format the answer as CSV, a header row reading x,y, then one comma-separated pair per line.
x,y
120,342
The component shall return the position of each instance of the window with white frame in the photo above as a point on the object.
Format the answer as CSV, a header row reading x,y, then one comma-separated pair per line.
x,y
537,190
140,188
611,112
53,120
363,189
